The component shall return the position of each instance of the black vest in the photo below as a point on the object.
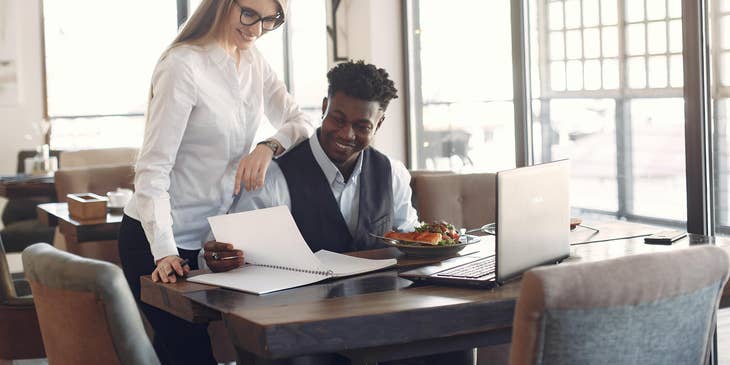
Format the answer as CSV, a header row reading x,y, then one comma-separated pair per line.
x,y
315,209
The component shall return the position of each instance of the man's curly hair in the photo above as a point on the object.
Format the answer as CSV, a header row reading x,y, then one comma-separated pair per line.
x,y
363,81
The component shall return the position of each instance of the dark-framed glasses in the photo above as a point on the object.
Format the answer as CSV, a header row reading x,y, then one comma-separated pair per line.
x,y
250,17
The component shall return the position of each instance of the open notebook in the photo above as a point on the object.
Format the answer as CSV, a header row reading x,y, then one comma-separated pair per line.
x,y
277,257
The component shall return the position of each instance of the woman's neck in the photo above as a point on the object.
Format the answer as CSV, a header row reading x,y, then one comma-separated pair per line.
x,y
232,51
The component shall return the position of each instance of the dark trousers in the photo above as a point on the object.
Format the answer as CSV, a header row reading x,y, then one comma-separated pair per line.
x,y
176,341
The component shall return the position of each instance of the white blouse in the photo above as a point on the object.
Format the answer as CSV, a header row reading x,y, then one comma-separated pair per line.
x,y
201,121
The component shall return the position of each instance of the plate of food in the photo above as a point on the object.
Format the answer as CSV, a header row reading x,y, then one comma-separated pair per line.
x,y
429,239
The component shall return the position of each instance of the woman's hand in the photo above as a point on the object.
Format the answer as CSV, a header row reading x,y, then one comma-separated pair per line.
x,y
252,168
168,267
221,256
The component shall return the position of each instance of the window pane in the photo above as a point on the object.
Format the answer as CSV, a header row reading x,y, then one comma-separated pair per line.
x,y
572,14
573,45
91,72
557,48
657,41
658,158
592,41
657,71
556,15
592,75
609,11
637,72
610,74
676,75
308,54
557,76
675,36
610,42
634,10
635,39
590,13
467,121
578,129
675,8
574,72
725,35
656,9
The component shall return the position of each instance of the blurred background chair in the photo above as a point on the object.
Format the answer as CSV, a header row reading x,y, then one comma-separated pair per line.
x,y
78,298
20,335
465,200
657,308
98,157
21,227
98,180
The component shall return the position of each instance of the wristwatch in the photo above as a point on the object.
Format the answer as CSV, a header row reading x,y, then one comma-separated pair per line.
x,y
274,145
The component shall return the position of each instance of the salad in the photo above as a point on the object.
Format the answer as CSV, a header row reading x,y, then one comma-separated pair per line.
x,y
449,235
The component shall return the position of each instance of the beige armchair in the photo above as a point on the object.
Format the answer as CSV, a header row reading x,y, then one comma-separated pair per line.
x,y
98,180
98,157
86,311
465,200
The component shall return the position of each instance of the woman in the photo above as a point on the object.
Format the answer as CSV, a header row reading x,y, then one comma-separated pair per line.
x,y
209,92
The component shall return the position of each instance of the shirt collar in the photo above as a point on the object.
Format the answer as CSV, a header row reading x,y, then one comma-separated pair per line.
x,y
220,56
328,168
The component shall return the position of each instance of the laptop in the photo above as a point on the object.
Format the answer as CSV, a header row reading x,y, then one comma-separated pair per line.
x,y
532,229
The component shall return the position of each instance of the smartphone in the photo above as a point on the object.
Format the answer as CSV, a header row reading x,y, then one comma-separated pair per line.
x,y
664,237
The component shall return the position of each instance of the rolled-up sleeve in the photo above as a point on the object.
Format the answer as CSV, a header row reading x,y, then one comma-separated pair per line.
x,y
173,97
281,109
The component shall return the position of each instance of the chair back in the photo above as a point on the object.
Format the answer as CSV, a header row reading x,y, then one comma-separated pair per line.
x,y
656,308
98,157
465,200
86,310
93,179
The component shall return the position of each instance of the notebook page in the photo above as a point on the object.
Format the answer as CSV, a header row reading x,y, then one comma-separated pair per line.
x,y
343,265
258,279
267,237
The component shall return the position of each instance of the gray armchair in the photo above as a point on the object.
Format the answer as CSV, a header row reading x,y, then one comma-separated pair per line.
x,y
78,298
656,308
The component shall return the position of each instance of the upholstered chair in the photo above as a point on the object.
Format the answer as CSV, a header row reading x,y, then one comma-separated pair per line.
x,y
98,157
20,336
656,308
86,311
465,200
98,180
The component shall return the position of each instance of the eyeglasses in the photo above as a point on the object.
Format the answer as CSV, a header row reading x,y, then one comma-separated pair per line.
x,y
250,17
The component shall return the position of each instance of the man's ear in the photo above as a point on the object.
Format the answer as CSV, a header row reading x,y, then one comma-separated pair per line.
x,y
380,122
324,105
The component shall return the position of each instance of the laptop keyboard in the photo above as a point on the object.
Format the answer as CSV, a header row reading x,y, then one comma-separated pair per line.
x,y
472,270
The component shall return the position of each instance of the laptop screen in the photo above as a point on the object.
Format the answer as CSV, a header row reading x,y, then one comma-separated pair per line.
x,y
533,217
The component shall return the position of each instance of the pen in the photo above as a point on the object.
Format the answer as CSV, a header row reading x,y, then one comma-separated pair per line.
x,y
182,263
218,258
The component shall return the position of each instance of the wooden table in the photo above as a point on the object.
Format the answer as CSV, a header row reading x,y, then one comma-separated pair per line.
x,y
22,186
377,316
79,231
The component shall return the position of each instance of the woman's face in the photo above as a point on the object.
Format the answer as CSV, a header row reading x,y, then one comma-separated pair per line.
x,y
243,36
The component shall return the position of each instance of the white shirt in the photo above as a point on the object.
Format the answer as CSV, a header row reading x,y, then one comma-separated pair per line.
x,y
347,194
201,121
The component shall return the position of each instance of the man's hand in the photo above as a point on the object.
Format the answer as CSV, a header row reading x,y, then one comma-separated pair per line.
x,y
221,256
169,268
252,169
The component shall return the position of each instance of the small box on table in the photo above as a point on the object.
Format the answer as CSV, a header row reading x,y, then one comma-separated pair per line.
x,y
86,206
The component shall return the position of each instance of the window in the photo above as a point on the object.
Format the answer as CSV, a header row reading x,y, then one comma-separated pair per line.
x,y
720,44
97,93
610,98
463,120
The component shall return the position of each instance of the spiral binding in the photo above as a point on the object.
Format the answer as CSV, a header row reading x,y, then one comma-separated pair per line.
x,y
316,272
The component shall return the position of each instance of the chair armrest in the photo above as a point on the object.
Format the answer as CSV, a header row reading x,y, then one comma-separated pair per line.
x,y
18,302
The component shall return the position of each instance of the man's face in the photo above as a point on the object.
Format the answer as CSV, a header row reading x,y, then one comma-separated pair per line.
x,y
348,127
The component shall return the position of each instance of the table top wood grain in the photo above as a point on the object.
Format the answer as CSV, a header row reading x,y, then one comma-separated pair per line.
x,y
379,309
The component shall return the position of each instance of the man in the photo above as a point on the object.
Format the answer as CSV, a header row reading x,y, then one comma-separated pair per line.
x,y
337,187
